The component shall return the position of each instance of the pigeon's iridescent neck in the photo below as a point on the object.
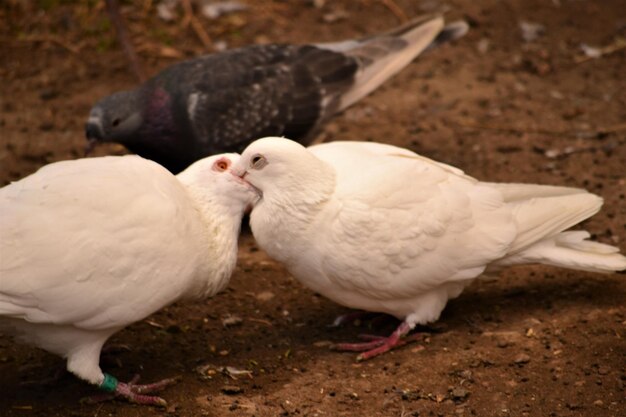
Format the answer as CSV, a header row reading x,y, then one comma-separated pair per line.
x,y
159,119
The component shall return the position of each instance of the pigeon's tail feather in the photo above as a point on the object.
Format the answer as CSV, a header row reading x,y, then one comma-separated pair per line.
x,y
542,214
384,56
573,250
451,32
402,30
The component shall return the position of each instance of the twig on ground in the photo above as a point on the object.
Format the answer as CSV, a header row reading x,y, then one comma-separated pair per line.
x,y
612,129
191,19
543,131
52,39
618,44
510,129
262,321
396,10
122,36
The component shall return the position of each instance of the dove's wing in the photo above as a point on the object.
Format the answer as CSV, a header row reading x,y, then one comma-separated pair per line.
x,y
79,237
405,224
259,91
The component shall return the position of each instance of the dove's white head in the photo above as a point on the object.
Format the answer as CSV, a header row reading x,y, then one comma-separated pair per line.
x,y
285,171
210,183
294,187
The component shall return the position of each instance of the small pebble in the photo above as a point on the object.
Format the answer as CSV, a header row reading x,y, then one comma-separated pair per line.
x,y
521,359
459,394
231,390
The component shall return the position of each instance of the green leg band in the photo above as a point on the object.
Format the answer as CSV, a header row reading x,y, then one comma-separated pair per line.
x,y
109,384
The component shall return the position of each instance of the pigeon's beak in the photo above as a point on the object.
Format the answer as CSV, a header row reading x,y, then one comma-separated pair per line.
x,y
93,130
91,144
94,134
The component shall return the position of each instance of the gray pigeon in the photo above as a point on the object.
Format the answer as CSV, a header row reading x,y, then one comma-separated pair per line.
x,y
221,102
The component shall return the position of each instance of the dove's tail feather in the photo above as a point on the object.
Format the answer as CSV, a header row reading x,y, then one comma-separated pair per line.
x,y
514,192
573,250
542,214
385,55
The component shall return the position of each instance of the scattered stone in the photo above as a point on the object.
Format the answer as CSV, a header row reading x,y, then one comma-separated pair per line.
x,y
335,16
591,51
531,30
231,321
410,395
215,10
48,94
483,46
265,296
459,394
221,46
46,126
556,95
166,10
521,359
231,389
573,406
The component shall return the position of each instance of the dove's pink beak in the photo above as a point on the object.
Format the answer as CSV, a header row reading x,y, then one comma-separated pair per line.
x,y
240,174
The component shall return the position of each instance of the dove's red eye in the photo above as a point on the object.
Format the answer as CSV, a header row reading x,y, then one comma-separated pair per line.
x,y
221,165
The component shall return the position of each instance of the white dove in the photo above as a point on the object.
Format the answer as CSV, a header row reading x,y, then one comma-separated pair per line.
x,y
382,229
88,247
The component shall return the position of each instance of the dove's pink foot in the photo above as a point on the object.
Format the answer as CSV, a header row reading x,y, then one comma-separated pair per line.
x,y
378,345
132,392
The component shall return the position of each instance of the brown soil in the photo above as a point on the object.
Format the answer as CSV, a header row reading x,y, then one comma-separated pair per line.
x,y
537,341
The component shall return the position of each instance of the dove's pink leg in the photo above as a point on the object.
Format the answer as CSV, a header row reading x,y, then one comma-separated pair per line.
x,y
133,392
378,344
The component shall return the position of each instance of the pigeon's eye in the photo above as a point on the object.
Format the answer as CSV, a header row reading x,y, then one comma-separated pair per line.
x,y
115,122
221,165
258,162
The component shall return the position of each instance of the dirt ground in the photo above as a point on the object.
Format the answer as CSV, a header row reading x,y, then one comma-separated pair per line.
x,y
537,341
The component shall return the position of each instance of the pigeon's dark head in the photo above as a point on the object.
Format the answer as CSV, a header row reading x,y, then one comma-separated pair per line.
x,y
116,118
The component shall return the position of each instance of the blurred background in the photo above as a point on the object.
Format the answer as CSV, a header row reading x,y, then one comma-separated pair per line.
x,y
535,92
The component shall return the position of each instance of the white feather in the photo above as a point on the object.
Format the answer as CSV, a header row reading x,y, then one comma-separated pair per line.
x,y
90,246
380,228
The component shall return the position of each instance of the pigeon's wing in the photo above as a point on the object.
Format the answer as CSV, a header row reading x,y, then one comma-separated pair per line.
x,y
404,224
81,242
234,97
